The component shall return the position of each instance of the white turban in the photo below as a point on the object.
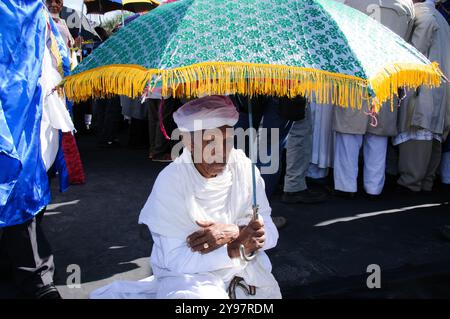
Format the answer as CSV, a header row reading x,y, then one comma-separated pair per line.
x,y
206,113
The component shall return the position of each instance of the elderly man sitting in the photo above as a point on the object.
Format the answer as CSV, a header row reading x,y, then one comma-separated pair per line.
x,y
200,212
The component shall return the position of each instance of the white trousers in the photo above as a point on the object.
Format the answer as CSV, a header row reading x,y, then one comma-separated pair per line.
x,y
346,162
316,172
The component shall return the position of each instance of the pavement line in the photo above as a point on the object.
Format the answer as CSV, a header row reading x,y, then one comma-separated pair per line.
x,y
57,205
381,212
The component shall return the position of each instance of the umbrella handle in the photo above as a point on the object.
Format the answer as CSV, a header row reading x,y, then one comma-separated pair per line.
x,y
244,256
251,256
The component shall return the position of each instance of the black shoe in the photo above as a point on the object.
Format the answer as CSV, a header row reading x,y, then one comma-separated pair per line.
x,y
306,196
405,190
345,195
372,197
48,292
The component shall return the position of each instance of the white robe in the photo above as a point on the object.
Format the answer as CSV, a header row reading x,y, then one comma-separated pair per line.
x,y
181,196
323,135
55,116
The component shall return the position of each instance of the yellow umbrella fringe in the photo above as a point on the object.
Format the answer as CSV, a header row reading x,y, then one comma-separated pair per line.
x,y
223,78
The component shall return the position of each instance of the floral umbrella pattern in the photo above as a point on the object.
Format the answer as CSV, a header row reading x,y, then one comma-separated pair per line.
x,y
277,47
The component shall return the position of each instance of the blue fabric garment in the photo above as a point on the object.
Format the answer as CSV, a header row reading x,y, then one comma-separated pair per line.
x,y
446,146
24,187
267,116
444,8
61,167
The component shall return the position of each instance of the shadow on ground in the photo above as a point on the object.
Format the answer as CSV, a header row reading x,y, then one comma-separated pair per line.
x,y
323,252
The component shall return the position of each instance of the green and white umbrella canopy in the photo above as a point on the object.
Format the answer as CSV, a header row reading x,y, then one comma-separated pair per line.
x,y
274,47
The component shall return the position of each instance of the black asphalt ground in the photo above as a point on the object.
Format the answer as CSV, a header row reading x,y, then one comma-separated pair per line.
x,y
323,252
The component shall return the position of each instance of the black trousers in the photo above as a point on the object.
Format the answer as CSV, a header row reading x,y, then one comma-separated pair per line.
x,y
107,118
158,143
26,257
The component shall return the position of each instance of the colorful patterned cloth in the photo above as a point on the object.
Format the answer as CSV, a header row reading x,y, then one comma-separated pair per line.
x,y
285,47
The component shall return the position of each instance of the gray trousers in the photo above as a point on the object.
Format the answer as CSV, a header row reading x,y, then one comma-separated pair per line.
x,y
418,164
298,154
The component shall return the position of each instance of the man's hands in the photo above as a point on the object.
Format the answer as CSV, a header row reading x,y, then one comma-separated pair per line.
x,y
251,236
214,235
211,236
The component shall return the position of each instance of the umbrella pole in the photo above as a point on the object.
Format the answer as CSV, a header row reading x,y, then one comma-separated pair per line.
x,y
123,20
253,155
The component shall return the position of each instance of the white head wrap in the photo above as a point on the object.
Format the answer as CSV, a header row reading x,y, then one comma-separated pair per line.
x,y
206,113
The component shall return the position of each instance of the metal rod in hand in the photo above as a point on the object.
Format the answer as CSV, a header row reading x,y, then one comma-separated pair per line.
x,y
253,157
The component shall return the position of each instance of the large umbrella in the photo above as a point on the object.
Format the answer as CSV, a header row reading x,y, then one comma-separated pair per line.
x,y
102,6
279,47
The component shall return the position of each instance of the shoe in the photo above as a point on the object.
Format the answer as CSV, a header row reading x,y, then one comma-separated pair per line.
x,y
372,197
306,196
162,158
279,221
405,190
345,195
48,292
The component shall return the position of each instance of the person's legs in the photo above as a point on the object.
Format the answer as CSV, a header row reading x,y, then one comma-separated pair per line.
x,y
5,265
271,148
199,286
346,162
152,125
113,119
435,159
138,137
316,172
31,259
99,118
162,147
243,123
414,158
374,163
445,168
298,156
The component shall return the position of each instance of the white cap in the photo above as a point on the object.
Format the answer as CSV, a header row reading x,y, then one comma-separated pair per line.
x,y
206,113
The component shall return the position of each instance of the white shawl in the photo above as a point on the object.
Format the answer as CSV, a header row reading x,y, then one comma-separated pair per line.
x,y
175,201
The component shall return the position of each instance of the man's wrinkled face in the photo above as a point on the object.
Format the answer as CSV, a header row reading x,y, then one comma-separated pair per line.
x,y
211,149
54,6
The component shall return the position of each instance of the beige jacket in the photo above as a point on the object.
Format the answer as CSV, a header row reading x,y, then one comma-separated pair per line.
x,y
397,15
429,108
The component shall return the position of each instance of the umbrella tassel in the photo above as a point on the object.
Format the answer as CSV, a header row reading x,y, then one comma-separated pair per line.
x,y
161,120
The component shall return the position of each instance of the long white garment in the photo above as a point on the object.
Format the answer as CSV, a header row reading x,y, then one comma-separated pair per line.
x,y
346,162
323,135
181,196
55,115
